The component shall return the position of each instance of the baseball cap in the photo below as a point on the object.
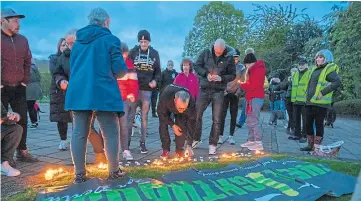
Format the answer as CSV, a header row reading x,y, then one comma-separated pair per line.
x,y
8,13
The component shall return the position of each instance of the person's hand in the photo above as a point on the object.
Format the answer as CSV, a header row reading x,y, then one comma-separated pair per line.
x,y
217,78
12,116
63,84
177,130
320,96
23,84
290,78
153,84
1,86
131,98
210,77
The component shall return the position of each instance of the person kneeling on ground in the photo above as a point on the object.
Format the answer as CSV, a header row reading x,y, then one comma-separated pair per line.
x,y
177,100
10,138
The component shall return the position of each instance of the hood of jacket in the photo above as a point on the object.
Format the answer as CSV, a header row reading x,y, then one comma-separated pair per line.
x,y
90,33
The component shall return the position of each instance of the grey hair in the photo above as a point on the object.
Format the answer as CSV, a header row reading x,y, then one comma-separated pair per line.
x,y
220,42
124,47
248,51
97,16
71,33
183,95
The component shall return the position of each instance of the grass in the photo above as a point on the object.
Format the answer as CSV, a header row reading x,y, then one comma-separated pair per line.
x,y
155,172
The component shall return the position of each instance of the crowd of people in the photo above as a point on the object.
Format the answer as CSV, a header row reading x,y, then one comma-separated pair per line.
x,y
96,77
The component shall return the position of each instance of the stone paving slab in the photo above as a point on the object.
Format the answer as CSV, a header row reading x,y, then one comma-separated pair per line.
x,y
43,142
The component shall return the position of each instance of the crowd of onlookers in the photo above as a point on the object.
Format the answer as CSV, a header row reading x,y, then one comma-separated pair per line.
x,y
96,77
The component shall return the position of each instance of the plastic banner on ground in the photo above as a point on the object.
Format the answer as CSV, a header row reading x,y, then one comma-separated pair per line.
x,y
262,180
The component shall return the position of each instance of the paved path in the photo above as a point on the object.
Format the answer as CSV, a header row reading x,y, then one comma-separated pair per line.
x,y
43,142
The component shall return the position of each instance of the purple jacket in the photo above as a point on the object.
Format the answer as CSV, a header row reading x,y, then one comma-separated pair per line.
x,y
15,59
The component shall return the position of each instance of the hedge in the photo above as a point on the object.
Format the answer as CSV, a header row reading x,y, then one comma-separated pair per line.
x,y
348,107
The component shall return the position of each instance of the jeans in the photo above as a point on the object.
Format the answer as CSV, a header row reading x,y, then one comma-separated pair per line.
x,y
144,99
315,115
10,139
275,107
254,131
16,97
243,117
206,97
154,100
230,101
109,125
126,124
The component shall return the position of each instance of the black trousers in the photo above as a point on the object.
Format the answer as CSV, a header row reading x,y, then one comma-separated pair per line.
x,y
10,139
154,99
291,121
206,97
315,114
63,130
230,101
299,112
182,122
33,114
16,97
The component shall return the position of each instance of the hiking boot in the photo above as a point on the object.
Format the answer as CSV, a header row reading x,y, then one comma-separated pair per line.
x,y
143,149
9,171
100,158
25,156
247,144
165,154
127,155
239,125
180,154
212,150
318,140
294,138
231,140
116,175
80,178
257,146
309,147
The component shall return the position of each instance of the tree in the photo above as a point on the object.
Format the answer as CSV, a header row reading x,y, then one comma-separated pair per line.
x,y
345,39
215,20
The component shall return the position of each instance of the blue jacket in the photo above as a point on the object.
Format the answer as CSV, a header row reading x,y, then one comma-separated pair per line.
x,y
96,62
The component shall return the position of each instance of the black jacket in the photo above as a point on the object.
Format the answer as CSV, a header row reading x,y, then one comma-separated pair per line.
x,y
333,77
167,77
147,64
61,71
166,104
223,66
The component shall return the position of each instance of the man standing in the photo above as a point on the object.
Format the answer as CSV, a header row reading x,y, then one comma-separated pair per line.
x,y
15,73
95,64
231,99
147,63
177,100
216,68
168,75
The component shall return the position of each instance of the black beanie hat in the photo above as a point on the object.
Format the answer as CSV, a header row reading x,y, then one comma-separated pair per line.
x,y
237,53
249,58
143,35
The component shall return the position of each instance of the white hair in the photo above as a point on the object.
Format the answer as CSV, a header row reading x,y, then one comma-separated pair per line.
x,y
220,43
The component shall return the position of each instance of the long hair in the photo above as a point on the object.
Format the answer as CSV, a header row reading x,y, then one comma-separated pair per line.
x,y
188,60
58,47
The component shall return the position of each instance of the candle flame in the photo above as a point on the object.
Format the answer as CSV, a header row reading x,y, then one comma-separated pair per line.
x,y
258,152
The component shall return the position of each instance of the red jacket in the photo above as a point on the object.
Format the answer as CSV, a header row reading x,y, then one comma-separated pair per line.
x,y
190,82
255,81
15,59
129,83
